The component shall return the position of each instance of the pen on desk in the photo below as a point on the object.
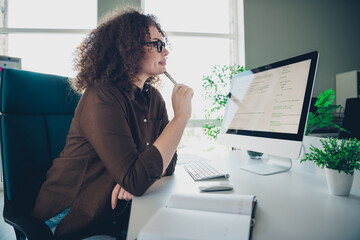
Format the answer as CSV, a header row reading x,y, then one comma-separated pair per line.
x,y
170,77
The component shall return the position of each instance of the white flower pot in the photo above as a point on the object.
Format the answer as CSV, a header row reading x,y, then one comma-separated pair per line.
x,y
339,183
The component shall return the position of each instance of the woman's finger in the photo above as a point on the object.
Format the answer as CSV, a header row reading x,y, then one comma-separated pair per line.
x,y
128,196
121,194
114,196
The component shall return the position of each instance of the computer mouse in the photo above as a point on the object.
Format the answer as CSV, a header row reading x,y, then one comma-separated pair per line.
x,y
211,187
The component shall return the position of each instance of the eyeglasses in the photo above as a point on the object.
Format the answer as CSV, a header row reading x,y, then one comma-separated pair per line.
x,y
158,44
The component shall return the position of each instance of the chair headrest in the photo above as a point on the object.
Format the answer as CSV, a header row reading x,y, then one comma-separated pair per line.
x,y
24,92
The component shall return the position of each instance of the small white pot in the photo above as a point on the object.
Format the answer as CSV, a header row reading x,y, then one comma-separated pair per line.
x,y
339,183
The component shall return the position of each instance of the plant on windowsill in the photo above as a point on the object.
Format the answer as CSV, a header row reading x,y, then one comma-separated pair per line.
x,y
340,159
216,89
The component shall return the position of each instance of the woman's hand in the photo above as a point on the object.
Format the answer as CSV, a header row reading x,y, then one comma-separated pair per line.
x,y
119,193
181,101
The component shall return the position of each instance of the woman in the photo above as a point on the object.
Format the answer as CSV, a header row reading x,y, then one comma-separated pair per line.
x,y
120,140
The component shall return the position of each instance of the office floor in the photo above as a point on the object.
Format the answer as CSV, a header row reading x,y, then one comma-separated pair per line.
x,y
6,231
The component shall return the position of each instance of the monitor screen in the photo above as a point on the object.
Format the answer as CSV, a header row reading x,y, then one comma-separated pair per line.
x,y
267,107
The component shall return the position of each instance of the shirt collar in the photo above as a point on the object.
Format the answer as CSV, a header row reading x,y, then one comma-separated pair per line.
x,y
144,91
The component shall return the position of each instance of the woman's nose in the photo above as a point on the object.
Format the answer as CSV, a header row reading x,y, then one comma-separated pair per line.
x,y
165,51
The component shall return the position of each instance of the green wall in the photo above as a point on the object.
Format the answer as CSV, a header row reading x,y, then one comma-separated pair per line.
x,y
279,29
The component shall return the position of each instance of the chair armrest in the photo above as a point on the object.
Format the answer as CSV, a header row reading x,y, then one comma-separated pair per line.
x,y
31,227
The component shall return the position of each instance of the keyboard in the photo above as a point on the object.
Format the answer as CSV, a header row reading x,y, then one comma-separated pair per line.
x,y
202,171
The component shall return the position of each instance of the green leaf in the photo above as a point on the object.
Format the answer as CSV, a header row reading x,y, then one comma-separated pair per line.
x,y
325,98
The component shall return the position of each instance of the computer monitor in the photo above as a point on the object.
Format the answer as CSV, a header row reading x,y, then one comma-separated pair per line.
x,y
267,109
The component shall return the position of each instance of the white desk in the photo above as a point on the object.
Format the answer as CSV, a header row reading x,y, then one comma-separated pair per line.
x,y
291,205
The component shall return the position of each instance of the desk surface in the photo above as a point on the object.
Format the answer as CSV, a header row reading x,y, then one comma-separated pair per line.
x,y
291,205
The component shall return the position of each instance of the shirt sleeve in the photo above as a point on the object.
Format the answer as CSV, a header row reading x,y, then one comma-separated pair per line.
x,y
104,122
171,168
165,120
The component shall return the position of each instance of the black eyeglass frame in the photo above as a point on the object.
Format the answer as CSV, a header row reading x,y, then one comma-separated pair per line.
x,y
158,44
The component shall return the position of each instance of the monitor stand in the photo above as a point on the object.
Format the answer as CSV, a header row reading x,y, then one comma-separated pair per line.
x,y
271,165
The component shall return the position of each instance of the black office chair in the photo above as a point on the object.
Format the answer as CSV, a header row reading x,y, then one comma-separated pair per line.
x,y
37,110
351,119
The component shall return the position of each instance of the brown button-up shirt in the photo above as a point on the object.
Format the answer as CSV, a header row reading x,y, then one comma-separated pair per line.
x,y
110,141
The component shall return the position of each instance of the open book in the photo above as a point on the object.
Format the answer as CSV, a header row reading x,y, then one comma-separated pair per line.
x,y
202,216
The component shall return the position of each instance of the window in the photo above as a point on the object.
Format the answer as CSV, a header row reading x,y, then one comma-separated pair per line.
x,y
201,36
202,33
45,34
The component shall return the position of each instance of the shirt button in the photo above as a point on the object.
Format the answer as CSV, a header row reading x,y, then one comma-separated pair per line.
x,y
147,143
145,120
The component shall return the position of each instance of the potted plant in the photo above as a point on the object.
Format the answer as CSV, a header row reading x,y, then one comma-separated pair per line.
x,y
340,159
323,116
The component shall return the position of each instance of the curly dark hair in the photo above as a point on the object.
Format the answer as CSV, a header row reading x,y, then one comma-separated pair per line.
x,y
113,51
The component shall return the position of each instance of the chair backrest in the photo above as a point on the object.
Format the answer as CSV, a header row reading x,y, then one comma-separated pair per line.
x,y
37,110
351,119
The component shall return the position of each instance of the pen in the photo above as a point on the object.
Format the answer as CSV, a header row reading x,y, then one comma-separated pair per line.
x,y
170,77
